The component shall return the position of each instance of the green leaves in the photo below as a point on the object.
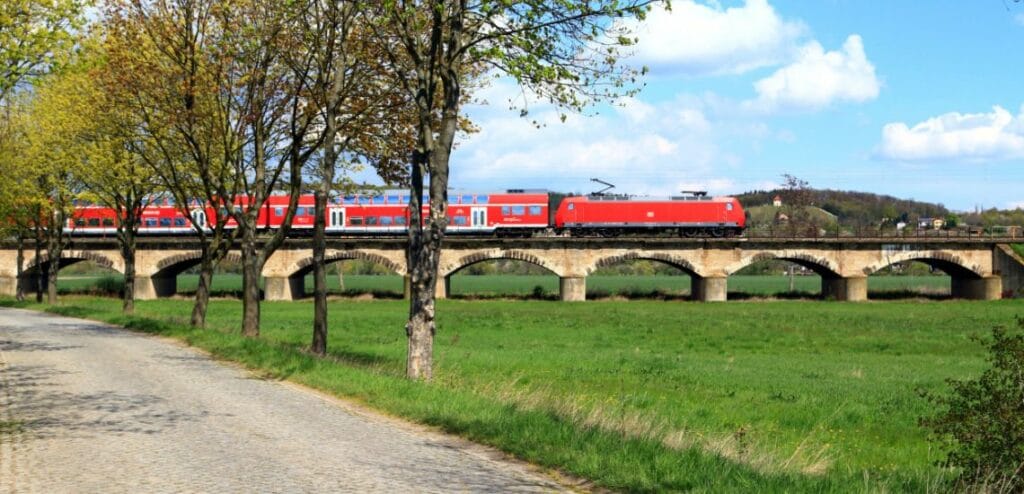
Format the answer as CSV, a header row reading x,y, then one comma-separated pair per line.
x,y
34,36
981,422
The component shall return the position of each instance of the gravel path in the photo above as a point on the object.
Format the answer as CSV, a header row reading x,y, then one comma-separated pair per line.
x,y
85,407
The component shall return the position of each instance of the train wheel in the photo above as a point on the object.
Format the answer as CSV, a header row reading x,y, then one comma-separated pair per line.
x,y
717,232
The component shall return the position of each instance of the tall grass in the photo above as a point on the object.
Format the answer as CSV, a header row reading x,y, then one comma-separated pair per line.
x,y
641,395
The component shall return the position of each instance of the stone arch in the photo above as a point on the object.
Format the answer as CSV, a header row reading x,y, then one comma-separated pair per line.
x,y
676,262
821,267
68,258
946,262
174,265
304,266
476,257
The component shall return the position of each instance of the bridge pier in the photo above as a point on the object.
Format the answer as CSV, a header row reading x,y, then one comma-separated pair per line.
x,y
572,288
443,287
284,287
987,288
1010,267
9,286
852,289
406,287
153,287
709,288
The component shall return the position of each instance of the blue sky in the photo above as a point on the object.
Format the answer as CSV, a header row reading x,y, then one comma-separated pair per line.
x,y
914,99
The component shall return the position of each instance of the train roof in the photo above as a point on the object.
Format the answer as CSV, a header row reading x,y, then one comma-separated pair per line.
x,y
631,198
450,192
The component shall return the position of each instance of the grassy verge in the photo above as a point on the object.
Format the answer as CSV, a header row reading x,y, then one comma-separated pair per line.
x,y
640,395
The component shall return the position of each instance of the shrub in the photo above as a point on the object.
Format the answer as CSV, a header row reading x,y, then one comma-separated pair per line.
x,y
981,422
109,285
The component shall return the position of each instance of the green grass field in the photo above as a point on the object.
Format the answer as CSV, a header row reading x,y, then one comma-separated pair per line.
x,y
597,286
644,395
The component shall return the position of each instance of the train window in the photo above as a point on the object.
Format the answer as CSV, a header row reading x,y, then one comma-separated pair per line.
x,y
349,200
223,211
728,206
385,220
80,222
518,210
170,201
505,210
426,200
467,199
355,221
405,199
392,199
482,199
534,210
459,220
94,222
108,222
179,221
365,200
278,211
378,199
165,222
371,220
399,220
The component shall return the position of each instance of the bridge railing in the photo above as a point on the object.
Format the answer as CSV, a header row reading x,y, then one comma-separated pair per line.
x,y
783,231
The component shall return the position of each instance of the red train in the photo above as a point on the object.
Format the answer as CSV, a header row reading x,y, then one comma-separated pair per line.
x,y
512,212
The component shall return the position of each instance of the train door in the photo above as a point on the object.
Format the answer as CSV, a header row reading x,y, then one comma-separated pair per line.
x,y
336,218
478,218
199,218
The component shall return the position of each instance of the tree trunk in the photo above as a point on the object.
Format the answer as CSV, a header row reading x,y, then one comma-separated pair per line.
x,y
19,283
128,300
51,280
423,258
250,286
203,289
420,328
54,247
319,345
40,274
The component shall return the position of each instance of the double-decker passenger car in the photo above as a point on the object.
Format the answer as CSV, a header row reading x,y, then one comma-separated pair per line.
x,y
383,213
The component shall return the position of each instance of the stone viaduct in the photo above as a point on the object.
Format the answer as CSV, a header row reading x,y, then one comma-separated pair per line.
x,y
979,268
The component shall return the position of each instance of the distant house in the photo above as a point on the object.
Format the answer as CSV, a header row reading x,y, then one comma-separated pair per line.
x,y
931,223
777,201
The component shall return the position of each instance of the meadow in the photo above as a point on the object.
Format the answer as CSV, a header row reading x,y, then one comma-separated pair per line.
x,y
640,395
598,286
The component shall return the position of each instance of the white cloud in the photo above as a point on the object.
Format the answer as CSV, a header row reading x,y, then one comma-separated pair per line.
x,y
705,39
642,148
972,137
816,79
1015,205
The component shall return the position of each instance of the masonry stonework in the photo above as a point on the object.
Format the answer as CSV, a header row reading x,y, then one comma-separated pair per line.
x,y
978,269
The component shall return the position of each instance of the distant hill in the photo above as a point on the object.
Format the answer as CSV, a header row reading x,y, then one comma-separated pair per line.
x,y
766,215
853,208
